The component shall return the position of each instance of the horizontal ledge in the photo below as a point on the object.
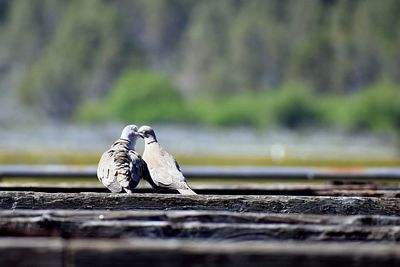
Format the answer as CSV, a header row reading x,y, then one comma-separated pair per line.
x,y
52,171
195,230
200,225
213,188
143,252
271,204
201,216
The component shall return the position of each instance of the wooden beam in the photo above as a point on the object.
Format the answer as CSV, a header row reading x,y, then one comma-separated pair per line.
x,y
166,253
271,204
32,252
208,225
365,190
195,253
203,185
201,216
52,171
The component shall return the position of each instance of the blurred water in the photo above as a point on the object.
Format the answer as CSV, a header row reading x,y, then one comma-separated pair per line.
x,y
198,140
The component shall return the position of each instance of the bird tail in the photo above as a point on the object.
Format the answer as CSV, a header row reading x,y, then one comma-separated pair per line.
x,y
186,191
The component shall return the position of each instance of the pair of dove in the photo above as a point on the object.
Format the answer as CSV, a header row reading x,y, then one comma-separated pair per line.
x,y
121,167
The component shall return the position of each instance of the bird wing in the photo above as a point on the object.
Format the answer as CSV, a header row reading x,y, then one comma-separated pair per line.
x,y
177,165
173,167
147,176
135,165
159,174
107,172
174,170
163,168
120,168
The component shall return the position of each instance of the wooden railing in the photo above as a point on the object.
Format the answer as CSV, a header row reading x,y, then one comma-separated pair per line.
x,y
229,223
54,171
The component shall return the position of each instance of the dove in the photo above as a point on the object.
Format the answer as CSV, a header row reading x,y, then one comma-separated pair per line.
x,y
121,167
162,166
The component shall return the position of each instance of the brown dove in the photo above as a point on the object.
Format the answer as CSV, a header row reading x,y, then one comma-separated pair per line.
x,y
162,166
121,167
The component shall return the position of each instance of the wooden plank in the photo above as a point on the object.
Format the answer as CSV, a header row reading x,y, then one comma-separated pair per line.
x,y
201,216
364,190
186,253
270,204
181,253
202,185
31,252
302,173
360,193
199,225
52,171
163,253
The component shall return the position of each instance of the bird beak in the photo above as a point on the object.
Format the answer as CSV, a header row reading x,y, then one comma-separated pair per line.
x,y
140,134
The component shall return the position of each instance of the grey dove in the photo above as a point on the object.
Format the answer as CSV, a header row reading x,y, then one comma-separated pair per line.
x,y
121,167
162,166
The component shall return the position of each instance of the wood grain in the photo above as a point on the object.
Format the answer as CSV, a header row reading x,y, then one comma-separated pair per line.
x,y
362,190
160,253
269,204
209,225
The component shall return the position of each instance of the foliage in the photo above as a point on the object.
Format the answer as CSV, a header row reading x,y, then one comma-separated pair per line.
x,y
237,110
291,106
140,97
85,46
296,107
232,62
375,108
147,97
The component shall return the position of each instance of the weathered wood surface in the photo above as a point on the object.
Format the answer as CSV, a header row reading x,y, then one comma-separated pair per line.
x,y
270,204
31,252
365,190
201,216
360,193
205,230
199,225
51,171
144,252
96,185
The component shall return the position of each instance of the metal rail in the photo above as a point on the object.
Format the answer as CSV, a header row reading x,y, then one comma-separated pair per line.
x,y
301,173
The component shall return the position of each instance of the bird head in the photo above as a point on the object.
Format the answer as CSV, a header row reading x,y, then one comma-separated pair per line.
x,y
147,133
130,133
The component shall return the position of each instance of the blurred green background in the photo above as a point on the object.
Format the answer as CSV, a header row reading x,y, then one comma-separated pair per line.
x,y
276,64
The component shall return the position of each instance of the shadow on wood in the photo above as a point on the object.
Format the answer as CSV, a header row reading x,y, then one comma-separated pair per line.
x,y
362,190
139,252
269,204
205,225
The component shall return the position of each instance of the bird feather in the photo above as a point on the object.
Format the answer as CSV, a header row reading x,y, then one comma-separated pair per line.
x,y
120,168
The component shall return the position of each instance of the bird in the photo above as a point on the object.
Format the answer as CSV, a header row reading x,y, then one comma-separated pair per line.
x,y
121,167
163,168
